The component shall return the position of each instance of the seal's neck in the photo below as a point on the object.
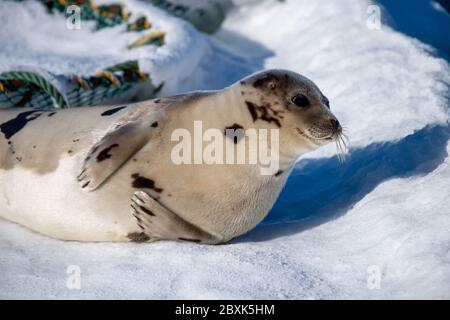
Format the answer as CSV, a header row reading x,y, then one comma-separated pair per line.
x,y
218,109
236,111
227,109
232,106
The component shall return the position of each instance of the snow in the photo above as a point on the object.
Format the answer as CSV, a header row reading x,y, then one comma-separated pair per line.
x,y
385,209
85,52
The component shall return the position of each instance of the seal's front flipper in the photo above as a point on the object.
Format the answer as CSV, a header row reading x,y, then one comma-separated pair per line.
x,y
107,155
158,222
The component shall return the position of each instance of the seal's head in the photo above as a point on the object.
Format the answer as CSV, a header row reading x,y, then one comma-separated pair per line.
x,y
295,105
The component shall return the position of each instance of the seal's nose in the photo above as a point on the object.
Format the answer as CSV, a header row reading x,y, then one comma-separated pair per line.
x,y
335,124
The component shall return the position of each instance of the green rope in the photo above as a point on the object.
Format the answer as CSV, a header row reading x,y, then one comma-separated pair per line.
x,y
39,81
130,64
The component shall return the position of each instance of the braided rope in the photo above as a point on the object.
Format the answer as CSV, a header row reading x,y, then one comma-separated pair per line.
x,y
130,64
39,81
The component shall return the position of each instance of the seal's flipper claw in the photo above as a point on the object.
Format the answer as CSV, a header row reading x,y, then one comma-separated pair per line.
x,y
107,155
156,221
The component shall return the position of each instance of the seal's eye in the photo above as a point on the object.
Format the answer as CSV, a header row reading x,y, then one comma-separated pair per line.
x,y
300,101
326,101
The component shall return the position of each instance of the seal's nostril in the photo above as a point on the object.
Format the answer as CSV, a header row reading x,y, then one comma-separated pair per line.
x,y
335,124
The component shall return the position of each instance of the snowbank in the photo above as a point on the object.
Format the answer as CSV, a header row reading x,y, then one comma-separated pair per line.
x,y
384,212
44,41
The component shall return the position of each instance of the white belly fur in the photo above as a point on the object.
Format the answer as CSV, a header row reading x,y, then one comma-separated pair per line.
x,y
55,205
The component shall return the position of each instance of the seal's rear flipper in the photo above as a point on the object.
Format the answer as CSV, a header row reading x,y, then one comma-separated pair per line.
x,y
107,155
156,221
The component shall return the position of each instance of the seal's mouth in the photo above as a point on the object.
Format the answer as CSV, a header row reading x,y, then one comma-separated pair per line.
x,y
318,139
338,136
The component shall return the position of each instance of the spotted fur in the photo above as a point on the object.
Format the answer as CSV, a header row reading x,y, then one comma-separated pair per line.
x,y
201,203
112,111
140,182
264,112
104,154
13,126
234,132
158,222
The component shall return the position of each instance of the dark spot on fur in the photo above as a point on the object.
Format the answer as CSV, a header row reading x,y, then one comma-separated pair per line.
x,y
261,82
138,237
70,151
278,173
144,183
34,147
157,100
51,114
191,240
234,132
112,111
76,140
9,142
252,109
154,124
243,82
264,112
103,155
11,127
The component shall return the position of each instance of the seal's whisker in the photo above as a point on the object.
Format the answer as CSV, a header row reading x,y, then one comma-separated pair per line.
x,y
344,134
339,150
341,147
345,139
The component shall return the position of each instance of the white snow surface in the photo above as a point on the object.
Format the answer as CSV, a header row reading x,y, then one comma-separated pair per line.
x,y
386,209
44,41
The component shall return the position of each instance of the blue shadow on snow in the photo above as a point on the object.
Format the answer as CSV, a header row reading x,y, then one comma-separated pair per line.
x,y
320,190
